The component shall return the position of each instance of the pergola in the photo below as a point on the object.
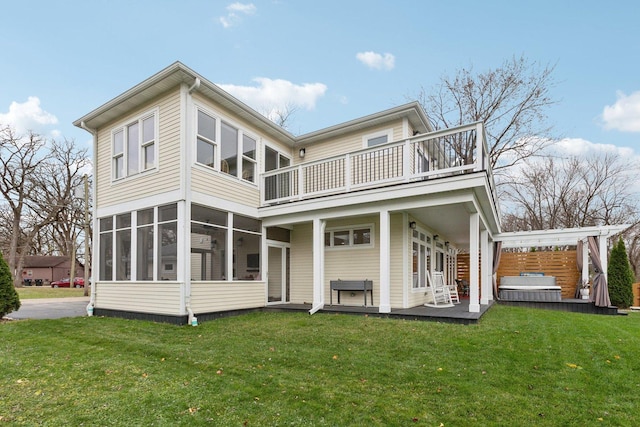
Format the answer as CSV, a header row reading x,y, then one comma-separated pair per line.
x,y
573,237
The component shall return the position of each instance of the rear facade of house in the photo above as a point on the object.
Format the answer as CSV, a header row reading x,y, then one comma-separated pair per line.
x,y
202,206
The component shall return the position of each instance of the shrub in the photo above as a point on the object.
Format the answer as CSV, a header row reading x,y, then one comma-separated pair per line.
x,y
9,299
620,277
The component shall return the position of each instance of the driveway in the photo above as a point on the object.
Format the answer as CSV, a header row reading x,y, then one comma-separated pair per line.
x,y
51,308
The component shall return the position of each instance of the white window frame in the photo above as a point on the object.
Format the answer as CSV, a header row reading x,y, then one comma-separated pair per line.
x,y
140,144
427,243
350,229
217,144
387,132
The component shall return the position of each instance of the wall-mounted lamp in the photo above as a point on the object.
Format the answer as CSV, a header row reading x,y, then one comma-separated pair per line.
x,y
240,241
446,243
302,152
435,236
412,225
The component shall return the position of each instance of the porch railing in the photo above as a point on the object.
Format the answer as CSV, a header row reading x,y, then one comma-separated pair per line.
x,y
446,152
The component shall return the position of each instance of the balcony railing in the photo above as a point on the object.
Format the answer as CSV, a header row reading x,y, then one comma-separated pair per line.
x,y
443,153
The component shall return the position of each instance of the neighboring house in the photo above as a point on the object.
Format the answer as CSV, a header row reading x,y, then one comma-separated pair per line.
x,y
202,205
48,268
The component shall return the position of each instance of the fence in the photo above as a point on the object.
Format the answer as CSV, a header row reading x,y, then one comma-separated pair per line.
x,y
560,264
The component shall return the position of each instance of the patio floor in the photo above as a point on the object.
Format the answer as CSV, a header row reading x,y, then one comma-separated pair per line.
x,y
459,313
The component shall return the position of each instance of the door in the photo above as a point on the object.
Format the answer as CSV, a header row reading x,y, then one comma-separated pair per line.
x,y
278,274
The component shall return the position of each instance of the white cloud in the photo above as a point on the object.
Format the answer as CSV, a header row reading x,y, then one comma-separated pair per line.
x,y
235,11
583,148
28,116
376,60
624,115
271,96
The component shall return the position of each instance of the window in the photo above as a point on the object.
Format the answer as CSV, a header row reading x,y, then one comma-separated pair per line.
x,y
121,242
378,138
144,260
106,249
211,232
206,139
359,236
123,247
235,149
421,258
134,146
248,158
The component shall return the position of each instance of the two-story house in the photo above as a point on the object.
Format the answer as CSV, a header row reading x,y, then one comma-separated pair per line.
x,y
202,205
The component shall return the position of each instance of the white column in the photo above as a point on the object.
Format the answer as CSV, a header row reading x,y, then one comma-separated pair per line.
x,y
485,268
385,270
318,265
474,255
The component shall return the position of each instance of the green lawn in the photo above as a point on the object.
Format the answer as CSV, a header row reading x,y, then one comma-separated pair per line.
x,y
31,292
517,367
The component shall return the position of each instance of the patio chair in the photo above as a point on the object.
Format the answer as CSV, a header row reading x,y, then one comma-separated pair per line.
x,y
453,291
438,291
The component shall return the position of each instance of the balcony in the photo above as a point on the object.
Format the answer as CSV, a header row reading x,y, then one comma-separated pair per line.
x,y
448,152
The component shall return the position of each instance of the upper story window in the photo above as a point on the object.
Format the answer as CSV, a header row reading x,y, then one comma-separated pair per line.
x,y
134,146
274,160
377,138
235,148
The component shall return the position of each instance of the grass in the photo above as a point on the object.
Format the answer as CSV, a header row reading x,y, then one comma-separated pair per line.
x,y
32,292
517,367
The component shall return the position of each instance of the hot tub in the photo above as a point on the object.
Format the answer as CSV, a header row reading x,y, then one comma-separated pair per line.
x,y
529,288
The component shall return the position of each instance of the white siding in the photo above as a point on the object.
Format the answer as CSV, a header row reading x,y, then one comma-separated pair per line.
x,y
141,297
208,297
348,143
301,288
353,263
165,178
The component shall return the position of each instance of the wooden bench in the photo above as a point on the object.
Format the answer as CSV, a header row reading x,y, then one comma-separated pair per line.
x,y
351,285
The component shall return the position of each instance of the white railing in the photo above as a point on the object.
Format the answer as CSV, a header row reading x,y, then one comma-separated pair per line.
x,y
446,152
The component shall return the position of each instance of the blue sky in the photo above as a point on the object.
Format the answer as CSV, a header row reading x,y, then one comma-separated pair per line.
x,y
334,60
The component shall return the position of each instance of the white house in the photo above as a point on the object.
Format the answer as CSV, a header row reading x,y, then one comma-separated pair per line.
x,y
202,205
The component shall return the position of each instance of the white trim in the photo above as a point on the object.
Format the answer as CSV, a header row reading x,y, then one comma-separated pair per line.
x,y
406,260
566,236
351,229
474,256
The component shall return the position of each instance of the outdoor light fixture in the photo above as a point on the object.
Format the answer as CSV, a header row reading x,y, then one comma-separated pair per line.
x,y
412,225
435,236
446,243
302,152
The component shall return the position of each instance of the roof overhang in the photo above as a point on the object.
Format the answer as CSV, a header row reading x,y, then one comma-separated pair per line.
x,y
175,75
559,237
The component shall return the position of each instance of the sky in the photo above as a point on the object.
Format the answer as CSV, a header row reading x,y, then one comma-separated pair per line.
x,y
332,61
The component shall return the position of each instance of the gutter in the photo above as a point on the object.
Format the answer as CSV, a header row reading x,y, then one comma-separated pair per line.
x,y
92,299
316,308
195,86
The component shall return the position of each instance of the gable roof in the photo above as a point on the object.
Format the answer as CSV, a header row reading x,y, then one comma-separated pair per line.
x,y
178,73
44,261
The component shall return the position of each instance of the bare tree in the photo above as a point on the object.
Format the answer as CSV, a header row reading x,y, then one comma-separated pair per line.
x,y
575,192
511,100
36,181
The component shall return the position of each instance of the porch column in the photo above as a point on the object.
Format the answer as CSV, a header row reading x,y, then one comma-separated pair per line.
x,y
485,268
385,271
318,264
474,255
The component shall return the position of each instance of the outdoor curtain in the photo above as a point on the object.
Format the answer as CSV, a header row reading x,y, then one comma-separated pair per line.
x,y
579,264
497,252
600,291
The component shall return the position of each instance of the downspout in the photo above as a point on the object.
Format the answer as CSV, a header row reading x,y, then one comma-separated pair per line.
x,y
192,319
92,298
195,86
